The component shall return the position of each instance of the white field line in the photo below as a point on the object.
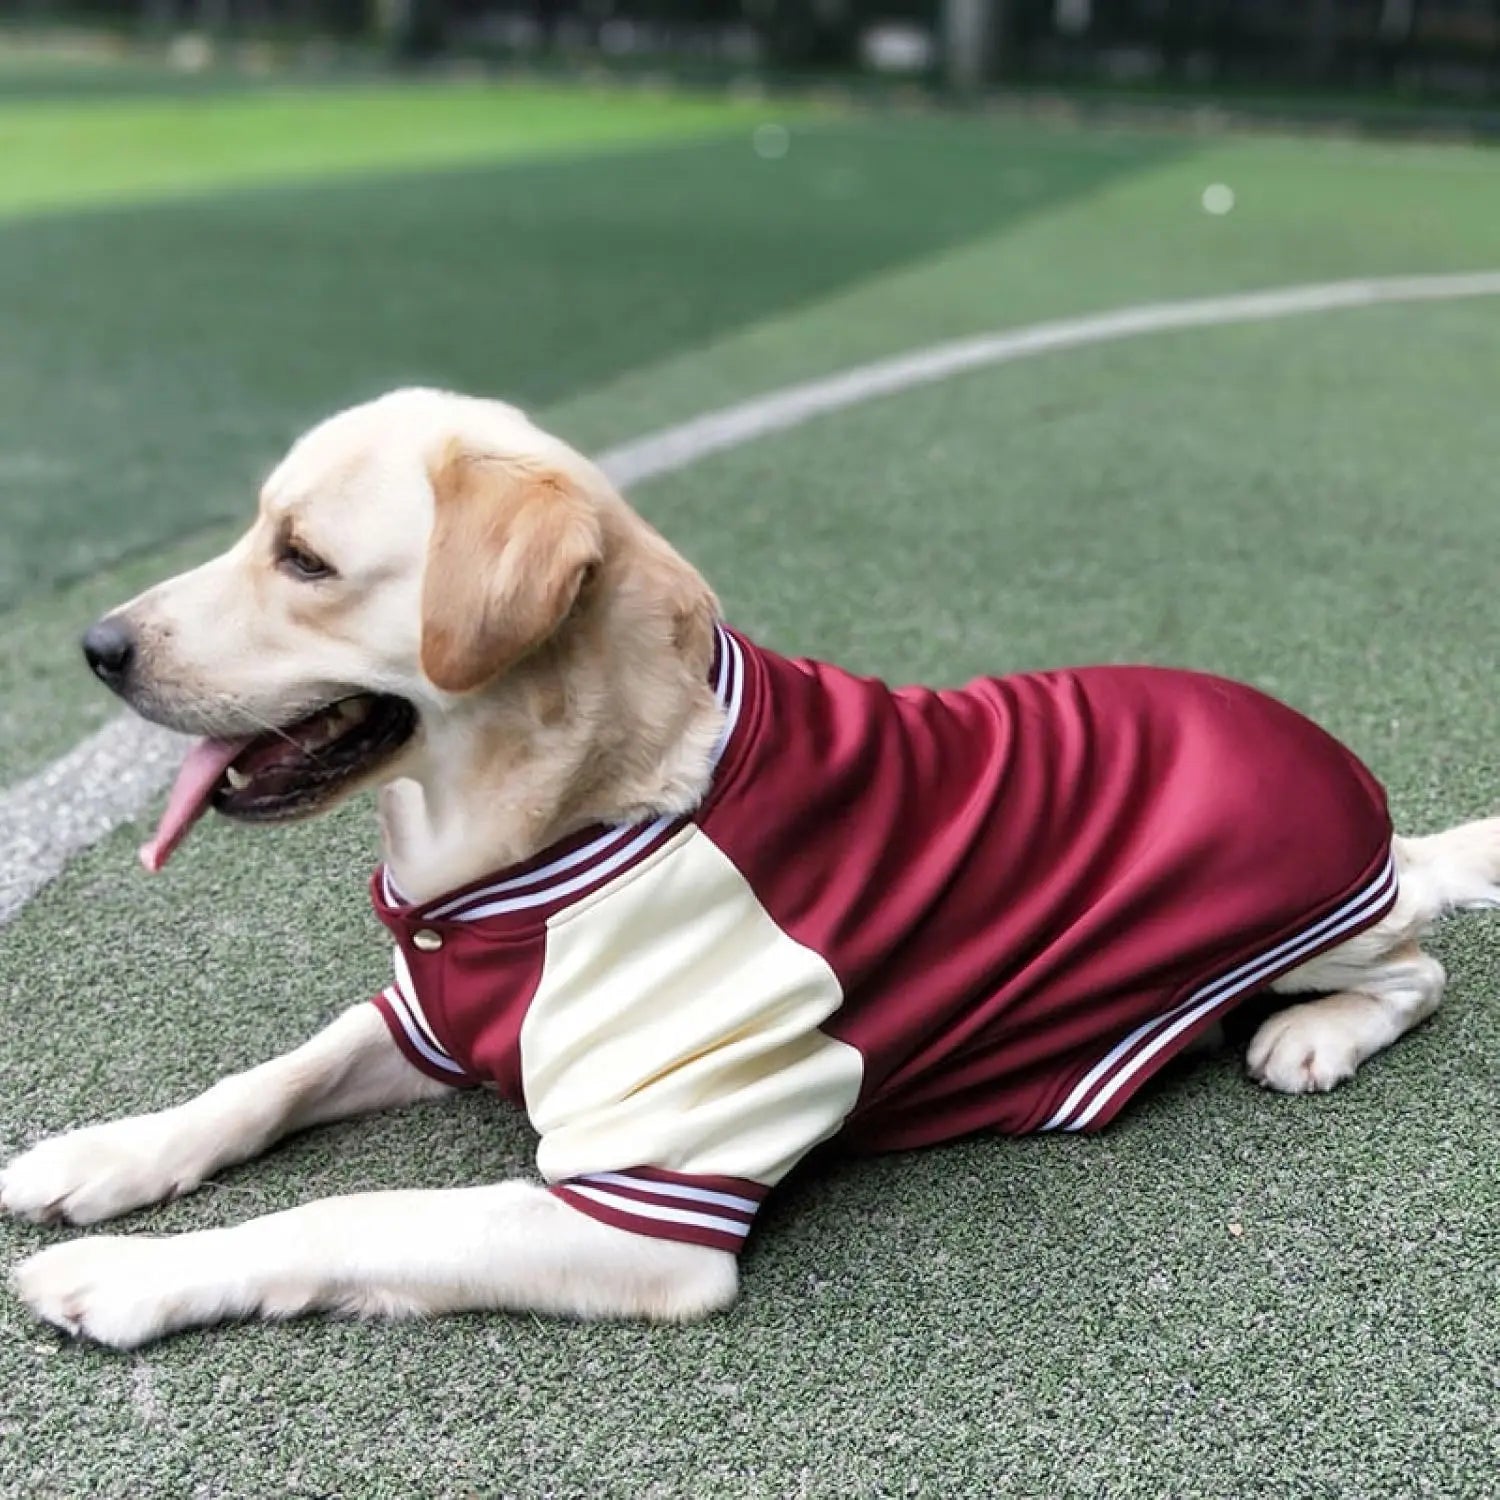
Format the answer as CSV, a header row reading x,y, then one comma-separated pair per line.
x,y
108,778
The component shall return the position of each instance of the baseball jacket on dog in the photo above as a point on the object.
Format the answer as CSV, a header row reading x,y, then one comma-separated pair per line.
x,y
899,916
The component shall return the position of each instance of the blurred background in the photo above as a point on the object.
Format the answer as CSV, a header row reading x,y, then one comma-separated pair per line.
x,y
221,220
1409,49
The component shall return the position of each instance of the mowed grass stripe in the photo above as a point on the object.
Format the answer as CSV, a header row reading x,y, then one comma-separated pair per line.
x,y
156,362
57,154
1308,212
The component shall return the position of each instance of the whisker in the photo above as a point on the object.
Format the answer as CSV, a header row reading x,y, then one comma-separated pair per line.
x,y
278,731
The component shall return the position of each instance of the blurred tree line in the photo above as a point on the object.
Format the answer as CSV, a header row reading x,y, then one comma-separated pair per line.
x,y
1452,44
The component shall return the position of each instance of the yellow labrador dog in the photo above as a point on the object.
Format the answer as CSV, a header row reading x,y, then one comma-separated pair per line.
x,y
695,907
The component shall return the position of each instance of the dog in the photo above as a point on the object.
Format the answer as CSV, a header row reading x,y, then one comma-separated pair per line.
x,y
697,907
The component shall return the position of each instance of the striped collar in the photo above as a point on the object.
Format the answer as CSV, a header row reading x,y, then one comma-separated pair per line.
x,y
584,860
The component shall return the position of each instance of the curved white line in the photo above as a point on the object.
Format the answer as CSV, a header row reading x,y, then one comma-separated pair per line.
x,y
677,447
42,827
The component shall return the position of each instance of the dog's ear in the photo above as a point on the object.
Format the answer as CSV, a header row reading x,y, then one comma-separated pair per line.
x,y
511,546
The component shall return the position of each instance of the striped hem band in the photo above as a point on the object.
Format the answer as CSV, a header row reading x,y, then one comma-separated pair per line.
x,y
713,1211
1110,1082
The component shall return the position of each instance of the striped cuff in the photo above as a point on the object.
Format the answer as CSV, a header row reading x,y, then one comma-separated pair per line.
x,y
713,1211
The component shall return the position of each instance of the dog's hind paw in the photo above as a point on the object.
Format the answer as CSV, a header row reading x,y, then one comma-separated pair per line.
x,y
1305,1049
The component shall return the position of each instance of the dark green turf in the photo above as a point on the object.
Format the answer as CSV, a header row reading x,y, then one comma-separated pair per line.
x,y
32,78
1048,1318
155,361
46,704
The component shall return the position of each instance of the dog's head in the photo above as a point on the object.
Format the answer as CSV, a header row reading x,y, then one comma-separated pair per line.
x,y
408,557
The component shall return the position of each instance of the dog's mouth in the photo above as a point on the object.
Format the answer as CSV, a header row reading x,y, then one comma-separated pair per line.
x,y
286,773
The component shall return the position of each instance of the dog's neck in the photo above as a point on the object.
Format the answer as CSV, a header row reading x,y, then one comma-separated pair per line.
x,y
614,721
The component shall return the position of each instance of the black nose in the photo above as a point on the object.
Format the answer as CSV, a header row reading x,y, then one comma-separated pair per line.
x,y
109,648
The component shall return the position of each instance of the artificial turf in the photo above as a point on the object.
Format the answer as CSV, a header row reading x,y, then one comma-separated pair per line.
x,y
1227,1293
63,153
155,360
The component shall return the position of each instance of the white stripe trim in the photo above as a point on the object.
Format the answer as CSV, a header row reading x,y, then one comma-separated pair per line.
x,y
1275,955
1188,1012
588,877
658,1211
734,667
1227,987
721,639
407,989
1199,1012
588,851
415,1035
669,1190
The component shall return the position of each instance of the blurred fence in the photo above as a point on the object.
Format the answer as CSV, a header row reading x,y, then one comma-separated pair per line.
x,y
1435,47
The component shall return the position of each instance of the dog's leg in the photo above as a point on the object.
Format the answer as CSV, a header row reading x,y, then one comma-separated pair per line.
x,y
1380,984
86,1175
1316,1046
510,1246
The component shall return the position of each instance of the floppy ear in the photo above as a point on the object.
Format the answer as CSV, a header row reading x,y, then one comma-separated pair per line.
x,y
511,544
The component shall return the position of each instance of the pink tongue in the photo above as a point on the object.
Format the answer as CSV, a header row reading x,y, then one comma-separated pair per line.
x,y
206,762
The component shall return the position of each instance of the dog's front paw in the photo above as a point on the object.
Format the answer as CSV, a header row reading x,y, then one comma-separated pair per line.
x,y
1305,1049
96,1173
116,1290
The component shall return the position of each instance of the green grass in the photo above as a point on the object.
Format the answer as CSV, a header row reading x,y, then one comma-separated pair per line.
x,y
67,153
46,704
1307,211
35,70
1309,505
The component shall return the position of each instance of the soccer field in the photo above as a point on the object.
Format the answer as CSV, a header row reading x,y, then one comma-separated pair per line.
x,y
1227,1293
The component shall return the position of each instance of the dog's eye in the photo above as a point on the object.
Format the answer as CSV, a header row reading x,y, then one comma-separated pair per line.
x,y
301,563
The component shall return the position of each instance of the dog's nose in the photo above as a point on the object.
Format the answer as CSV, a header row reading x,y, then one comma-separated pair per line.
x,y
109,648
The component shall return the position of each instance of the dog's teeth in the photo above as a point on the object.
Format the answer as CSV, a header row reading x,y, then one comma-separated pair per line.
x,y
237,779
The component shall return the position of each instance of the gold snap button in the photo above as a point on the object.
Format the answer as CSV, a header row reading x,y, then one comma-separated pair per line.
x,y
427,940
